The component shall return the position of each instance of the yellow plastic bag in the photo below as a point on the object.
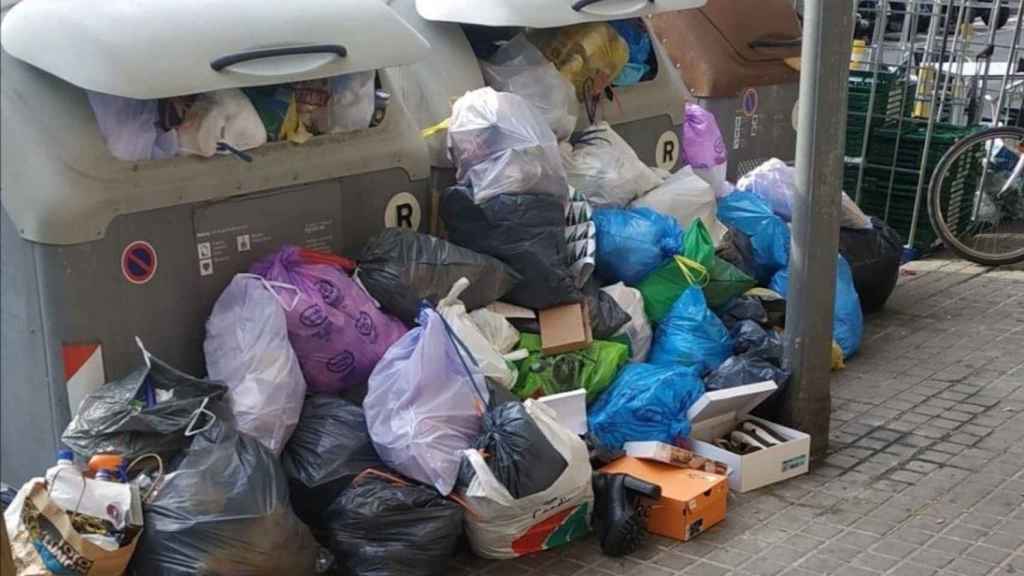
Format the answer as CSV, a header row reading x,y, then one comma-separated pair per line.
x,y
837,357
589,55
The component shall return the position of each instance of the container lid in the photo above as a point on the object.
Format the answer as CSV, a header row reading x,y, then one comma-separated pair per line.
x,y
160,48
738,401
544,13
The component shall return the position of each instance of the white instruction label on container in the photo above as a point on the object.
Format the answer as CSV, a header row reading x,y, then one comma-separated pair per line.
x,y
403,210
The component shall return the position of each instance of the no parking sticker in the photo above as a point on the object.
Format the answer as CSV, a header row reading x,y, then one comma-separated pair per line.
x,y
138,262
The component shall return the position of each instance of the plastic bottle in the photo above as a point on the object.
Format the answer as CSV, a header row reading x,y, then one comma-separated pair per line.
x,y
65,465
65,481
107,475
105,461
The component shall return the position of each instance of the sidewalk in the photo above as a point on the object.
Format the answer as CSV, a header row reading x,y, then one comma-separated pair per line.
x,y
926,467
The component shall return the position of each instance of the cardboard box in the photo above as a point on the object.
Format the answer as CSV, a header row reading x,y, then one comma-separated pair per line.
x,y
675,456
564,328
691,500
717,413
571,409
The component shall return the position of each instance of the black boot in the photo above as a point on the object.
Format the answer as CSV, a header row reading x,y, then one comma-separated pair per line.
x,y
621,520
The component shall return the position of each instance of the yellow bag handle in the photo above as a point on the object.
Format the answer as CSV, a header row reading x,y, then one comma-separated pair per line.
x,y
430,131
694,272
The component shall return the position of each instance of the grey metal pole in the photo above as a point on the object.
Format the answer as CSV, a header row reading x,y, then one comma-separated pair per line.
x,y
824,71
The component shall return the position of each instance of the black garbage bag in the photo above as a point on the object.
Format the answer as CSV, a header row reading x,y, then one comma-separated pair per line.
x,y
387,526
874,256
516,450
525,231
737,249
328,449
223,509
751,340
743,370
146,411
743,308
401,268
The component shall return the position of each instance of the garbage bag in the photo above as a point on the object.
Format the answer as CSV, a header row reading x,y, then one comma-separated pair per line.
x,y
223,509
751,340
606,316
847,317
491,363
725,282
328,450
520,68
704,149
526,231
743,308
592,368
774,306
501,526
400,268
634,33
769,235
131,129
278,111
774,181
874,256
221,117
517,452
337,331
605,169
662,287
691,335
685,197
351,105
646,402
638,329
247,348
424,403
500,144
146,411
496,329
742,370
737,249
631,243
590,55
383,525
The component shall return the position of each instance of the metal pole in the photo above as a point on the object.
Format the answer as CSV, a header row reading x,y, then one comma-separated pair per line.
x,y
824,71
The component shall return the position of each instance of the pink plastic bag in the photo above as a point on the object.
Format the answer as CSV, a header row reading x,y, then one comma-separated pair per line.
x,y
704,148
337,332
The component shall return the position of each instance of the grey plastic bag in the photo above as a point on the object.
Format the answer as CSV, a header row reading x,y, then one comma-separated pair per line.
x,y
146,411
750,339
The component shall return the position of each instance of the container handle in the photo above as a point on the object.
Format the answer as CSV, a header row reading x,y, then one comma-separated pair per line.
x,y
223,62
769,43
579,5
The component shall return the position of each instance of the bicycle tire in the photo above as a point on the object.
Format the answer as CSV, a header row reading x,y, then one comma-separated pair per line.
x,y
935,198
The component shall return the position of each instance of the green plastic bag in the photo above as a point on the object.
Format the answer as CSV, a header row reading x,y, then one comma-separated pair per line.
x,y
663,287
725,282
593,368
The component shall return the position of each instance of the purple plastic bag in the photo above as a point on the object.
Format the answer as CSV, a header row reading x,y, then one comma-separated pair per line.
x,y
337,331
704,149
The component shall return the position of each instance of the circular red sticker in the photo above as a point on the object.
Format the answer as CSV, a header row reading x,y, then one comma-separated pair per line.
x,y
138,262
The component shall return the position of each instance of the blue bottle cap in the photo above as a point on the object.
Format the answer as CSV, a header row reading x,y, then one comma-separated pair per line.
x,y
65,454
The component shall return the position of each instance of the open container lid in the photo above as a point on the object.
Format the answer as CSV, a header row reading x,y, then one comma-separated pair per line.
x,y
163,48
544,13
738,401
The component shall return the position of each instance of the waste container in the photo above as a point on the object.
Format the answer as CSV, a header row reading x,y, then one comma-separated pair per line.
x,y
648,115
98,250
731,55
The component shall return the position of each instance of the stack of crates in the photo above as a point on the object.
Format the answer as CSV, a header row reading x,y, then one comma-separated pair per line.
x,y
886,111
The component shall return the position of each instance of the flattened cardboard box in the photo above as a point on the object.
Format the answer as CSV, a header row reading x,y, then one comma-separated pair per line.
x,y
564,328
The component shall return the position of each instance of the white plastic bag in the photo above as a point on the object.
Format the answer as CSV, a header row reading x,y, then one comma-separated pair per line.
x,y
130,128
638,329
490,361
498,331
498,522
520,68
247,348
775,182
500,144
425,402
605,169
221,116
352,101
686,196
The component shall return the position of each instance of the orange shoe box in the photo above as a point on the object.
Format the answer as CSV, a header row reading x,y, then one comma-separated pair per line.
x,y
691,500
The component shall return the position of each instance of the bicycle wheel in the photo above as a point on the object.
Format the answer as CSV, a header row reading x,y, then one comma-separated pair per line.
x,y
976,197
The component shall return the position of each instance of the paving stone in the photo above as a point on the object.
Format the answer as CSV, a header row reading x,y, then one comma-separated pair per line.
x,y
912,569
921,467
906,476
706,569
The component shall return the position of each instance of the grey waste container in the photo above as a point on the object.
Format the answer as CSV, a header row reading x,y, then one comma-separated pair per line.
x,y
97,250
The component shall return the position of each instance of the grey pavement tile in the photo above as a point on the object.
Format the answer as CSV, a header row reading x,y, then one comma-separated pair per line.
x,y
840,550
764,567
948,447
912,569
931,557
706,569
986,553
969,567
672,561
874,561
894,548
851,570
821,564
1004,540
728,557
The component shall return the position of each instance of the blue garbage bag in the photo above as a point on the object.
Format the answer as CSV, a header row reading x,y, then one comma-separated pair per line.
x,y
769,235
635,34
691,335
632,243
646,402
847,317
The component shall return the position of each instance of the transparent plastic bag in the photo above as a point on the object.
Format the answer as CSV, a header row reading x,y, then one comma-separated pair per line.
x,y
247,348
519,67
604,168
638,329
775,182
590,55
490,362
223,116
500,144
352,102
130,127
685,196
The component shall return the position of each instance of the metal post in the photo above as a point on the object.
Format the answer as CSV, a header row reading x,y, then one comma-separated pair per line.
x,y
824,71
